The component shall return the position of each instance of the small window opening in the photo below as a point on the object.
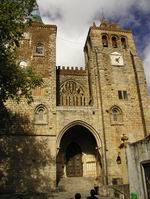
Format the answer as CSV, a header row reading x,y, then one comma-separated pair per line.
x,y
123,43
115,112
122,95
114,42
116,115
104,41
39,50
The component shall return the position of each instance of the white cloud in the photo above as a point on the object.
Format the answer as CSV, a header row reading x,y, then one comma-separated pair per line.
x,y
74,17
143,4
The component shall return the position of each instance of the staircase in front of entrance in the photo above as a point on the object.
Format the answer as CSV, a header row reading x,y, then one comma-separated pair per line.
x,y
67,188
76,184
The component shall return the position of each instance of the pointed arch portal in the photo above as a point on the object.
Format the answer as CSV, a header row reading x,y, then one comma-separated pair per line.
x,y
78,153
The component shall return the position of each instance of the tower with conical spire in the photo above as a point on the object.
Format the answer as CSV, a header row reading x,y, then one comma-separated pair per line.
x,y
35,14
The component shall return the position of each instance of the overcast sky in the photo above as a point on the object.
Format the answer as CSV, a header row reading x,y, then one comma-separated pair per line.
x,y
74,17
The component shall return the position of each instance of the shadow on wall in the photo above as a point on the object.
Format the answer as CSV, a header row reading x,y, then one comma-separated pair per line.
x,y
25,159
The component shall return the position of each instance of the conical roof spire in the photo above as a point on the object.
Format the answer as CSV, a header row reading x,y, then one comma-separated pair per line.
x,y
35,14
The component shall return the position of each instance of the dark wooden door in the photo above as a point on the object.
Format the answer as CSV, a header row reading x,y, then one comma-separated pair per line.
x,y
74,165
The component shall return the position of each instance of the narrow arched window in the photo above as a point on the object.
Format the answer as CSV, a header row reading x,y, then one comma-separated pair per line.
x,y
114,42
41,115
39,49
105,41
123,43
116,115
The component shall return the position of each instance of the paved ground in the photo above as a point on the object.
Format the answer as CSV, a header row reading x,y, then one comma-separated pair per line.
x,y
60,195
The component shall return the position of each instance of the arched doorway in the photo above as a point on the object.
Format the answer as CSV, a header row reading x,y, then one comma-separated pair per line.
x,y
78,154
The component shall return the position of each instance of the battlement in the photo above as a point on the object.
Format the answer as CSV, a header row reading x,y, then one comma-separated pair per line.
x,y
70,68
67,70
109,26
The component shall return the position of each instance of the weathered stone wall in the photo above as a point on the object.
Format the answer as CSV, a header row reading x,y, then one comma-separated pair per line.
x,y
76,75
138,153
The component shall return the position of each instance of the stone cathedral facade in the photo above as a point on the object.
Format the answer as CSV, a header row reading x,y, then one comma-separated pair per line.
x,y
81,118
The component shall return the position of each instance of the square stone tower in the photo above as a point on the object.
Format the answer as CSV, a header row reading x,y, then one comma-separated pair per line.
x,y
117,88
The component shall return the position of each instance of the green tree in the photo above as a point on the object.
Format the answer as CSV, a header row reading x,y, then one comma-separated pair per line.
x,y
15,82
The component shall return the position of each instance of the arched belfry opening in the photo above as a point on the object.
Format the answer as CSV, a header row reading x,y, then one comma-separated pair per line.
x,y
78,154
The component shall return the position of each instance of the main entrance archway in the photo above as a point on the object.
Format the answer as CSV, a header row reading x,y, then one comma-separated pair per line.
x,y
78,153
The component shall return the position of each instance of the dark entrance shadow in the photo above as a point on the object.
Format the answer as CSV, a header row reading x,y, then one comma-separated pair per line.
x,y
74,167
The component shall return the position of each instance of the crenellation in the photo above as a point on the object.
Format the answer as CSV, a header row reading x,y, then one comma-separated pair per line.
x,y
71,70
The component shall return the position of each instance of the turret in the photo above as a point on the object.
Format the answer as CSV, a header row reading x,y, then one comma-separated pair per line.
x,y
35,14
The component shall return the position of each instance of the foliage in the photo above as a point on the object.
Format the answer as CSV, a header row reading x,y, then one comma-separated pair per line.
x,y
25,159
13,18
15,81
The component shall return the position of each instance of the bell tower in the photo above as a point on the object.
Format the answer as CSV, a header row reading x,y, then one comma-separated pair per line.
x,y
117,88
38,50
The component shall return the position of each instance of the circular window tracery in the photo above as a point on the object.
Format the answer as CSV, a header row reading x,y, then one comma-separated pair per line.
x,y
72,94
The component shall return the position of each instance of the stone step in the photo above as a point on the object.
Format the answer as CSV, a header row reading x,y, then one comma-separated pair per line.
x,y
54,195
70,195
76,184
67,187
